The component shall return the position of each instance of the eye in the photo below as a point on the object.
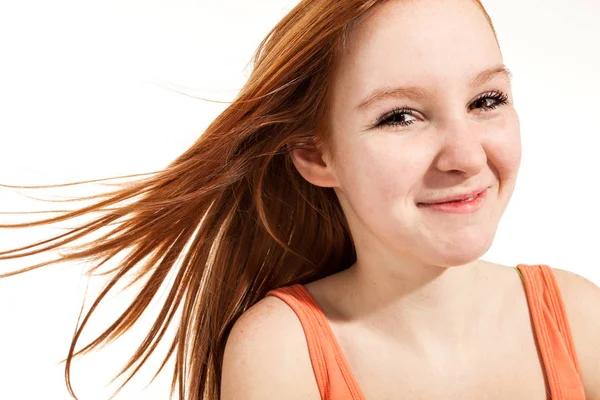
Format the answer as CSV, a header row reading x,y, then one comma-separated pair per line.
x,y
396,117
490,101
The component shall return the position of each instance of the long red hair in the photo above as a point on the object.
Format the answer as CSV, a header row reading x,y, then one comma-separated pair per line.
x,y
231,218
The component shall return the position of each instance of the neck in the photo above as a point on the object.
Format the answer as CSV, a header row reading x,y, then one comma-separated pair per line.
x,y
421,308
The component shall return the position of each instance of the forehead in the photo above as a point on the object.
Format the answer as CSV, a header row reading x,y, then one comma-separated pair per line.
x,y
417,42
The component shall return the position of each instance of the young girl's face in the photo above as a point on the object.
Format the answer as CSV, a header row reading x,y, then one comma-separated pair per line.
x,y
457,131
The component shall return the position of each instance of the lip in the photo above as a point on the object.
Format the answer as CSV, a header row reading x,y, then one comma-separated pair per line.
x,y
459,207
457,197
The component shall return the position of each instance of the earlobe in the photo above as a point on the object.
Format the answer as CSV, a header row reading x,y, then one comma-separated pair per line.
x,y
311,165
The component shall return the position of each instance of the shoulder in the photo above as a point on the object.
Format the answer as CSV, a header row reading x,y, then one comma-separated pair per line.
x,y
266,356
581,298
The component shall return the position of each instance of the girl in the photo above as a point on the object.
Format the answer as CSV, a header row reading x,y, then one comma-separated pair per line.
x,y
328,225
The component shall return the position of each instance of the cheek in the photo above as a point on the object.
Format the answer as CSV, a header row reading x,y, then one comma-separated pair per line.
x,y
506,149
377,175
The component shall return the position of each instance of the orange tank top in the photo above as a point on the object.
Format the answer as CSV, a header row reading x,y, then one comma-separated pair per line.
x,y
551,329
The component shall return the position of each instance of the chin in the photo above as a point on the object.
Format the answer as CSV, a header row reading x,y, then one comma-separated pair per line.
x,y
466,259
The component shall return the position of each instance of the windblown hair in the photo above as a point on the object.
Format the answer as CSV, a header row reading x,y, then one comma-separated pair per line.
x,y
231,218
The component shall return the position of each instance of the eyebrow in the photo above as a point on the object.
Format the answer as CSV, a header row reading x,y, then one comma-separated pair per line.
x,y
414,92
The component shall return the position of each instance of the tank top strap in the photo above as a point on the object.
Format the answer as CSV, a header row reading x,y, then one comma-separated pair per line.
x,y
553,333
333,376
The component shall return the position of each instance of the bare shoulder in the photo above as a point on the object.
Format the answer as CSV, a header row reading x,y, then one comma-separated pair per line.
x,y
266,356
581,298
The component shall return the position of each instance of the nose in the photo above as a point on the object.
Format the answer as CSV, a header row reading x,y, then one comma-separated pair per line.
x,y
461,147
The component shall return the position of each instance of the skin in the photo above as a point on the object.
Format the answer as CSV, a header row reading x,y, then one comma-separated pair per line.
x,y
419,305
418,269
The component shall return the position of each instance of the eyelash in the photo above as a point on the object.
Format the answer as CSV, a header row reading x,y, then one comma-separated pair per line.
x,y
500,97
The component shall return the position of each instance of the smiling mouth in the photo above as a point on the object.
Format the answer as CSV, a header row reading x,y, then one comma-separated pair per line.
x,y
466,206
456,199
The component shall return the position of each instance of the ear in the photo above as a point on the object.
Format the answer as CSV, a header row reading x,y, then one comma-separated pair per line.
x,y
314,166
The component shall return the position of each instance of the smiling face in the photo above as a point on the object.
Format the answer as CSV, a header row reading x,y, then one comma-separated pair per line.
x,y
449,127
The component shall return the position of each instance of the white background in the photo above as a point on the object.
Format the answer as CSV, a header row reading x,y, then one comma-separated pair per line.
x,y
88,90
